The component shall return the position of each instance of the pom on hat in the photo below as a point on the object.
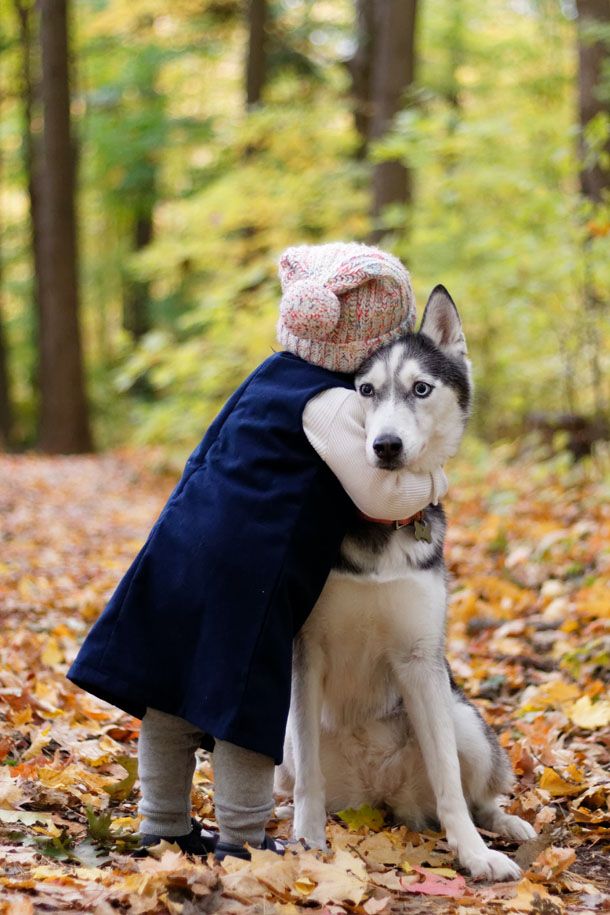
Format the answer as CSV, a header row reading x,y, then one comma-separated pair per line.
x,y
310,309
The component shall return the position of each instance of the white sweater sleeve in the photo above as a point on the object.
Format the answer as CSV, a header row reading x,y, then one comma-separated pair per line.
x,y
333,422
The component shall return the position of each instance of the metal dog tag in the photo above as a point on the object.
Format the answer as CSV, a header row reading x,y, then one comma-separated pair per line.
x,y
423,531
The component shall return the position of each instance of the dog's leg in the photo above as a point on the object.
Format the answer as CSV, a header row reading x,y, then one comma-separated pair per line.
x,y
427,696
306,706
486,773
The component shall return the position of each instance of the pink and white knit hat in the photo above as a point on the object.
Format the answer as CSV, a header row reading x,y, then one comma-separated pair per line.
x,y
341,302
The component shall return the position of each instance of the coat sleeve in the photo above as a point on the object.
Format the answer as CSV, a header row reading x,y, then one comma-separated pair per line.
x,y
333,422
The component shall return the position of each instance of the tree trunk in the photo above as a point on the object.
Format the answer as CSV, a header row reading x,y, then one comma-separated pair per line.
x,y
6,413
360,67
392,73
593,85
64,421
593,59
136,296
31,141
256,63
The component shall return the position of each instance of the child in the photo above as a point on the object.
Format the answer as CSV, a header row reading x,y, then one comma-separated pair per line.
x,y
197,639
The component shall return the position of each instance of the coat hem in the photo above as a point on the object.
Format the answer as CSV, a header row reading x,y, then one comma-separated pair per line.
x,y
92,681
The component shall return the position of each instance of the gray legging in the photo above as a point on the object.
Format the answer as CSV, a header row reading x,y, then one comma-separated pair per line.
x,y
243,782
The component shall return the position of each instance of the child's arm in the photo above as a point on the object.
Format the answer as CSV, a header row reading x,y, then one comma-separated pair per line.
x,y
334,424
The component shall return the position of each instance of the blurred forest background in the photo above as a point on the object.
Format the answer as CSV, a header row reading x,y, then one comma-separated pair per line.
x,y
156,156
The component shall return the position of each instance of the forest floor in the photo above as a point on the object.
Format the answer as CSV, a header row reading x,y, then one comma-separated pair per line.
x,y
529,552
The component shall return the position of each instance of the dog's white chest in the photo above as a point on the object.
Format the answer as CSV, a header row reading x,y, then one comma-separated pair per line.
x,y
361,623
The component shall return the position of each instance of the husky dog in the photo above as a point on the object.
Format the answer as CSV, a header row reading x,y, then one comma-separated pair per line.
x,y
376,717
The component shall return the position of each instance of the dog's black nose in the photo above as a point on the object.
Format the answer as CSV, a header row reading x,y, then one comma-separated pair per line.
x,y
387,446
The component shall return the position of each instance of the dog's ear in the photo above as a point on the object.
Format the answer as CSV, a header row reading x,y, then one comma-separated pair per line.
x,y
441,322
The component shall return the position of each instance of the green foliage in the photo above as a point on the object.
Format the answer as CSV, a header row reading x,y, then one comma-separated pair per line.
x,y
121,790
497,216
490,134
98,825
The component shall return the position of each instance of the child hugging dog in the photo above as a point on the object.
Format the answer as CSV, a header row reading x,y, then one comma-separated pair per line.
x,y
197,639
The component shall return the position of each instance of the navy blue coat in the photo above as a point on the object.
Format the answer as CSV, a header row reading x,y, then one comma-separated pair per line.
x,y
202,624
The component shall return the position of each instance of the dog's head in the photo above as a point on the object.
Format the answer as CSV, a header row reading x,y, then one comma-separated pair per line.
x,y
417,392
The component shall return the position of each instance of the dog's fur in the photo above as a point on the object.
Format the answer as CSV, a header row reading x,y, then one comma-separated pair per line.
x,y
376,717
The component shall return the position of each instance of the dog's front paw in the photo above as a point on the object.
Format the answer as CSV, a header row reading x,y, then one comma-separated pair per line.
x,y
311,831
312,837
310,825
490,865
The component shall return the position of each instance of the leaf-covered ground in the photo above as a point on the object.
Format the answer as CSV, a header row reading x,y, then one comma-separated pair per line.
x,y
529,549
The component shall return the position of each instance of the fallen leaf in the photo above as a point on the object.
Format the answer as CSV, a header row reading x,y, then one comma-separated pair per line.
x,y
377,849
343,879
27,817
366,815
530,896
551,862
590,715
529,850
558,786
435,885
11,794
121,790
373,906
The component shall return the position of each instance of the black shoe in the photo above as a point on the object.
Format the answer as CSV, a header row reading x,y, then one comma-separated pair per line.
x,y
198,841
240,851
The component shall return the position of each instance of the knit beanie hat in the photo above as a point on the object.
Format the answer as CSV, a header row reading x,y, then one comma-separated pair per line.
x,y
341,302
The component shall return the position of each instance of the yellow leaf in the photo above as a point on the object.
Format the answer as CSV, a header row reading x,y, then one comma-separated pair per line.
x,y
364,816
441,871
39,742
590,715
557,786
99,752
556,693
130,824
525,899
52,655
304,886
23,716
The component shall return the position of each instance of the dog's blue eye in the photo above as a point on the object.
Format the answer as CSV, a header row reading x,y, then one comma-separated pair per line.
x,y
422,389
366,389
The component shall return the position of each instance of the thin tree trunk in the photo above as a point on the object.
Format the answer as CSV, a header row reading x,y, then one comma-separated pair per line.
x,y
593,64
64,421
136,296
31,142
6,412
360,67
593,60
392,74
137,318
256,62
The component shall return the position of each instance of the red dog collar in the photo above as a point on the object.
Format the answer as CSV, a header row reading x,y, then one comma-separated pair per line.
x,y
404,522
